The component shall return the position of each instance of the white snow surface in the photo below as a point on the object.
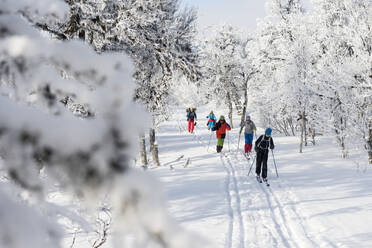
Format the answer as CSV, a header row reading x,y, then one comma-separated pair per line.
x,y
318,200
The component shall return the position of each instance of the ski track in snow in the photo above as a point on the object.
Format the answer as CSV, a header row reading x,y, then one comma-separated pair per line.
x,y
235,236
263,236
228,242
284,225
235,213
292,211
283,222
276,221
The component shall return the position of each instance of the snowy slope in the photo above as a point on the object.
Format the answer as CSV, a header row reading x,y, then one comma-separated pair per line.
x,y
319,199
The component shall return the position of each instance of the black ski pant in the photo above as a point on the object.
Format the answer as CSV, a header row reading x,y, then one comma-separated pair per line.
x,y
261,163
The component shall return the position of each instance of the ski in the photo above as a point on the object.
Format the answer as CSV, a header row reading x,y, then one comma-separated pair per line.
x,y
267,183
259,179
247,156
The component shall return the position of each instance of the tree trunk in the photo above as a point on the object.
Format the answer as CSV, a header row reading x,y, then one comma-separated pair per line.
x,y
301,138
143,150
304,127
369,144
230,105
303,131
244,112
155,155
312,134
340,130
292,126
154,148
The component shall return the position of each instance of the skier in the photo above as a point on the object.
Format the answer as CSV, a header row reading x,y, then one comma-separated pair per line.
x,y
191,118
250,128
220,128
261,146
211,120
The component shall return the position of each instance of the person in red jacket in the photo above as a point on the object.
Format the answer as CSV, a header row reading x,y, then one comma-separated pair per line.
x,y
220,127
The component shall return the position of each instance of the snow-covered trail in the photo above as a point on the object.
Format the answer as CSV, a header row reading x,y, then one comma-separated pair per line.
x,y
214,197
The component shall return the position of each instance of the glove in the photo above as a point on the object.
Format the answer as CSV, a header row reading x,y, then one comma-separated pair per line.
x,y
195,123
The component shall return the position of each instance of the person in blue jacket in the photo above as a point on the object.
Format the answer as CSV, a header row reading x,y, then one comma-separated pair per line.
x,y
211,120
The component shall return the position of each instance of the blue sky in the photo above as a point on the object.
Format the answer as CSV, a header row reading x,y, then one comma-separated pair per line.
x,y
240,13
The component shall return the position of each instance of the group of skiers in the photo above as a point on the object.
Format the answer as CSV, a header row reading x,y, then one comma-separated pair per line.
x,y
261,146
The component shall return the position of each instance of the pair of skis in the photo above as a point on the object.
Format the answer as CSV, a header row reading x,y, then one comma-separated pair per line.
x,y
260,181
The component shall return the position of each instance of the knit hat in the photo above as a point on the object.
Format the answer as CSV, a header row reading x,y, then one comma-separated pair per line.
x,y
222,117
268,131
247,117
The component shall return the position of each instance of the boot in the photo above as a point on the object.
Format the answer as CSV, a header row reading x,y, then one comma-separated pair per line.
x,y
249,147
219,148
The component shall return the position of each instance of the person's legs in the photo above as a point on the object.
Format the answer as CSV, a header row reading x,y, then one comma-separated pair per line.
x,y
249,141
258,163
192,126
189,126
246,140
210,124
264,164
220,142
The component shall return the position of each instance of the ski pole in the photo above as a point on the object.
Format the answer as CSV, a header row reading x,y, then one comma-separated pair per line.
x,y
275,164
238,141
251,165
228,139
210,136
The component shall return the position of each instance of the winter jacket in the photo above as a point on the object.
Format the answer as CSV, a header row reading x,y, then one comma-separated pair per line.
x,y
191,115
250,127
263,143
220,129
211,118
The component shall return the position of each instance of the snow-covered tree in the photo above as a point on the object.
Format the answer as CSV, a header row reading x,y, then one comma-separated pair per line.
x,y
89,157
223,70
344,79
315,68
156,34
283,59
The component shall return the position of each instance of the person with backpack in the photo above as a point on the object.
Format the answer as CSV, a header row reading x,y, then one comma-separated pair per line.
x,y
220,128
262,146
249,130
191,119
211,120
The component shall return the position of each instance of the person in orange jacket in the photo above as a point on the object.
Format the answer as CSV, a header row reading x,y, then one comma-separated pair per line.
x,y
220,127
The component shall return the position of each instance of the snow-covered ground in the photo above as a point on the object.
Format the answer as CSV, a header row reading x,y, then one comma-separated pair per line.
x,y
318,200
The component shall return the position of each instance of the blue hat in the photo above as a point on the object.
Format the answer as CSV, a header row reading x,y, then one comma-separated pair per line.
x,y
268,131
